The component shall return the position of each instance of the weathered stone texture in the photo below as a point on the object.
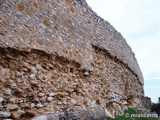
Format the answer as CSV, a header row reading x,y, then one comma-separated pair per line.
x,y
56,55
146,102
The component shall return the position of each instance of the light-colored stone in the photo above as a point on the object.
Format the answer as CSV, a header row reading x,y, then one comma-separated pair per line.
x,y
8,91
115,100
43,99
1,99
20,100
1,106
33,70
64,101
32,76
25,69
73,101
49,99
12,100
108,114
41,94
5,114
12,106
7,119
14,85
39,67
86,73
50,66
39,105
24,95
42,117
18,74
52,94
21,112
33,105
53,117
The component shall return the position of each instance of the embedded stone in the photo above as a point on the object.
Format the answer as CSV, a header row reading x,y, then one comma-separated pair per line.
x,y
32,76
30,94
33,70
39,67
52,94
1,99
41,94
50,66
35,100
43,99
73,101
1,106
21,112
15,114
18,74
30,113
33,105
12,106
8,91
86,73
25,106
14,85
49,99
39,105
42,117
5,114
24,95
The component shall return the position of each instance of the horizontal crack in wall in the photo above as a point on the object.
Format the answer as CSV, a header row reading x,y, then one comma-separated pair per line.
x,y
39,83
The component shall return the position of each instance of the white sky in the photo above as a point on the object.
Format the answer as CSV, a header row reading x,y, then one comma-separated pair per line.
x,y
139,23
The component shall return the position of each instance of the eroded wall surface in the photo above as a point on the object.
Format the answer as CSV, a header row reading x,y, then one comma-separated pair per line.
x,y
56,55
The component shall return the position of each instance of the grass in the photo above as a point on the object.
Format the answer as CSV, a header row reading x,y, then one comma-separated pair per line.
x,y
129,115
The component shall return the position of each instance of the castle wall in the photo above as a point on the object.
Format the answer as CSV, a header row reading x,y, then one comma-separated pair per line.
x,y
60,54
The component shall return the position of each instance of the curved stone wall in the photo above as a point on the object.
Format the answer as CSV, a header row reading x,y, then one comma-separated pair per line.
x,y
56,55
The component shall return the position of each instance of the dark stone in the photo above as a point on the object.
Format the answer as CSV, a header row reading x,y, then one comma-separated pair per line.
x,y
156,108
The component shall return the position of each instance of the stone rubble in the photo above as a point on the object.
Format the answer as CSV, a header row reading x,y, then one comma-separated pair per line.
x,y
60,90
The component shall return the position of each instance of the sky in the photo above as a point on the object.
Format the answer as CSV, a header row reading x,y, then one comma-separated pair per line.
x,y
139,23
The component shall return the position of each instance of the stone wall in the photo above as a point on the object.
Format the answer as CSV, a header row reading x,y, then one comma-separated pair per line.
x,y
146,102
56,55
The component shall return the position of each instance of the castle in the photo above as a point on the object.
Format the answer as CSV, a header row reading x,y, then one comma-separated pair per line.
x,y
57,55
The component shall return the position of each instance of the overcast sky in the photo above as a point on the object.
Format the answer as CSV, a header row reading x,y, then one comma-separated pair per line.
x,y
139,23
